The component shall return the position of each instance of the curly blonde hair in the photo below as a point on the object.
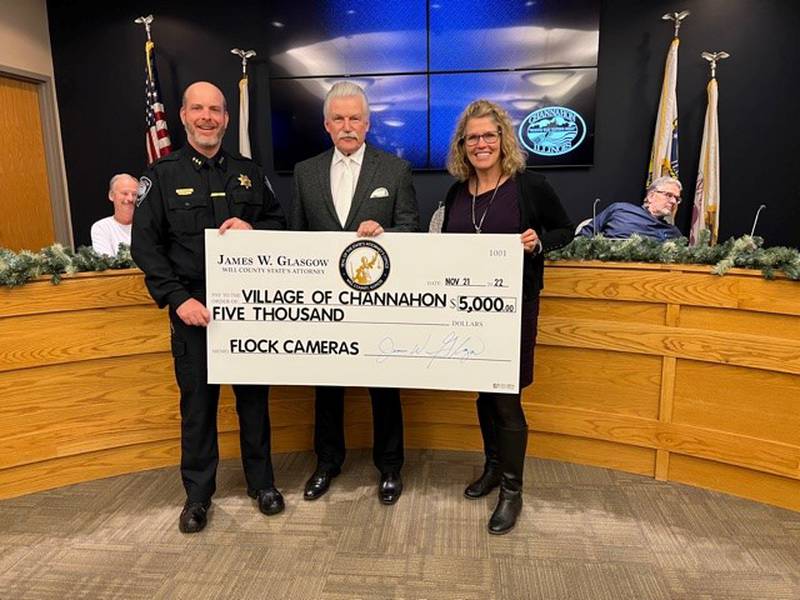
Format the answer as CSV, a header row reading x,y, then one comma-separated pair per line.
x,y
512,157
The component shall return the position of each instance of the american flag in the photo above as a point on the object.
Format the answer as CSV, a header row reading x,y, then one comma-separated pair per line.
x,y
157,135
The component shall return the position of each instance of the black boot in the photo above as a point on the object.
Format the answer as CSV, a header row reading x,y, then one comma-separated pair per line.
x,y
511,445
490,478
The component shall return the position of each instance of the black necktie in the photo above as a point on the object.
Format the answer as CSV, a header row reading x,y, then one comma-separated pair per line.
x,y
216,189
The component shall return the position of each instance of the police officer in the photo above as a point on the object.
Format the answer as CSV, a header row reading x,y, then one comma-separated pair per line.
x,y
198,187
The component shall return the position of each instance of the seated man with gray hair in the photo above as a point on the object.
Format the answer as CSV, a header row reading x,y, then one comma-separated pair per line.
x,y
110,232
623,219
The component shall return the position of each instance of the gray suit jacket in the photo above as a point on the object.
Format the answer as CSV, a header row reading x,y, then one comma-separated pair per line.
x,y
312,202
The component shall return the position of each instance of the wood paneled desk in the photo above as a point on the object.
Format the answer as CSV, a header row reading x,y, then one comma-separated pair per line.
x,y
662,370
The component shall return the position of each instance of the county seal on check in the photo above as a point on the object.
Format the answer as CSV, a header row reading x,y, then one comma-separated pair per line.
x,y
329,308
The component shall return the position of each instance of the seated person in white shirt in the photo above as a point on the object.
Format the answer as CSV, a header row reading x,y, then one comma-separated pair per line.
x,y
110,232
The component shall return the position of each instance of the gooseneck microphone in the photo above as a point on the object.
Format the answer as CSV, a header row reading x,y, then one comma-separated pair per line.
x,y
755,220
594,215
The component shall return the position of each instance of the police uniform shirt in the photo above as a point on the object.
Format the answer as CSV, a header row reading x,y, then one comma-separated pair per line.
x,y
180,196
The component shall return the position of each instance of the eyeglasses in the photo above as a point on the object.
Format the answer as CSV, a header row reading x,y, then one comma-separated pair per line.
x,y
676,198
490,138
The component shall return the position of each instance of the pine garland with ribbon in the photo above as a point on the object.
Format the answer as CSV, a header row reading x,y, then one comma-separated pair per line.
x,y
745,252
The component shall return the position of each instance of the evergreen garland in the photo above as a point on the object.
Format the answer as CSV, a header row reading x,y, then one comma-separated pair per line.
x,y
745,252
56,261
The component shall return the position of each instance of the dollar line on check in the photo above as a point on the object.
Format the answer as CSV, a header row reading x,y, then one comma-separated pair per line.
x,y
401,310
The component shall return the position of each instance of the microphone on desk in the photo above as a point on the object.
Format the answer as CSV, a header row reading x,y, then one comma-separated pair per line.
x,y
755,220
594,215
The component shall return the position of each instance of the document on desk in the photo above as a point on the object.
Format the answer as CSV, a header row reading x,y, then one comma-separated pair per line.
x,y
405,310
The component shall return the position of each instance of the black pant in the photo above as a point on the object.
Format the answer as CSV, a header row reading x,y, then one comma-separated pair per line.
x,y
502,410
387,428
199,401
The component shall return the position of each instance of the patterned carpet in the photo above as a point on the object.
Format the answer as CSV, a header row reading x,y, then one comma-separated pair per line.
x,y
585,533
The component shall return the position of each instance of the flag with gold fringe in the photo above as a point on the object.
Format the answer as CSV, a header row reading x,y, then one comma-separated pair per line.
x,y
705,213
244,118
664,153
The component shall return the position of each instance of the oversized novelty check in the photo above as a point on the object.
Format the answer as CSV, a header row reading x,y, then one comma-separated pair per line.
x,y
407,310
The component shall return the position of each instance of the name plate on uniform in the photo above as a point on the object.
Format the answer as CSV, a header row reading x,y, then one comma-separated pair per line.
x,y
406,310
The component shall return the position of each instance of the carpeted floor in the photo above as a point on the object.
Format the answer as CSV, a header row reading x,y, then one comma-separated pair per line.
x,y
585,533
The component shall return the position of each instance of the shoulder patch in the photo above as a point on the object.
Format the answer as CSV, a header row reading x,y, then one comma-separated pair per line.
x,y
144,188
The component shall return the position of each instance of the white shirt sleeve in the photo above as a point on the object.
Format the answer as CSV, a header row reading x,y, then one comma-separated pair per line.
x,y
101,239
108,234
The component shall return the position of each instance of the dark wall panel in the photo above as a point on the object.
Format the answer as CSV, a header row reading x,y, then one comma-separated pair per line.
x,y
99,61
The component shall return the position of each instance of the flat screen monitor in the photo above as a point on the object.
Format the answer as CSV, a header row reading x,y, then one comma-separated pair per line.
x,y
468,35
552,111
398,120
322,38
422,61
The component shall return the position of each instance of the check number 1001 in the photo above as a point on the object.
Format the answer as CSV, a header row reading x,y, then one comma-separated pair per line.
x,y
498,304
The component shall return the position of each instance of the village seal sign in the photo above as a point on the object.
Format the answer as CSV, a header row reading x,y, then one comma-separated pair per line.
x,y
552,131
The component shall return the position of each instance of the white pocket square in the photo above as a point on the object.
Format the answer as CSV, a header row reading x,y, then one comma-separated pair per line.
x,y
380,192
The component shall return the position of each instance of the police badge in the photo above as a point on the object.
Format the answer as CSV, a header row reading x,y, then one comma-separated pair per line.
x,y
144,188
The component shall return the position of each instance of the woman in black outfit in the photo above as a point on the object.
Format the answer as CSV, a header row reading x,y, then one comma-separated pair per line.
x,y
495,194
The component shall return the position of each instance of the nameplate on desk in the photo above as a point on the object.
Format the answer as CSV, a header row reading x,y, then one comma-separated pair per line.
x,y
406,310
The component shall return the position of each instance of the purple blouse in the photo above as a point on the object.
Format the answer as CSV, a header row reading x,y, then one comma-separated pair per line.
x,y
501,216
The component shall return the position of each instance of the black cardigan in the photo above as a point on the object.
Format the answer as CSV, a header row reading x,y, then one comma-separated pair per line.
x,y
540,210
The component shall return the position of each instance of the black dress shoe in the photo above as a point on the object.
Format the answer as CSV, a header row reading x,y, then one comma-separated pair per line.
x,y
194,517
390,487
479,488
270,500
318,483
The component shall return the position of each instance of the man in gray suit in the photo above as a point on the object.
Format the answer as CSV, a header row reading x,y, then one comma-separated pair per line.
x,y
354,187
